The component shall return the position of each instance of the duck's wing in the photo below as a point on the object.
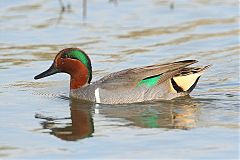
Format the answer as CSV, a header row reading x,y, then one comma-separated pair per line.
x,y
134,76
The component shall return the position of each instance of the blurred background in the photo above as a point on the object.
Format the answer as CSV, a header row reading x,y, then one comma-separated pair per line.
x,y
39,121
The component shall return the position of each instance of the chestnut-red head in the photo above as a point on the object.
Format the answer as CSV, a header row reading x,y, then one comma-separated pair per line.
x,y
73,61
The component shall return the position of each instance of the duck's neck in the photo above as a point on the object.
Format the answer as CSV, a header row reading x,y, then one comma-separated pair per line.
x,y
78,81
79,76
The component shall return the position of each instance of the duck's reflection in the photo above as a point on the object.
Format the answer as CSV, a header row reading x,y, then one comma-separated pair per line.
x,y
180,114
81,125
175,114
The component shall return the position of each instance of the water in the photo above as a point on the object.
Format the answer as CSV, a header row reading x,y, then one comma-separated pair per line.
x,y
38,121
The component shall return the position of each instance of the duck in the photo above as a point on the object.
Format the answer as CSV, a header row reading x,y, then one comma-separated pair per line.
x,y
134,85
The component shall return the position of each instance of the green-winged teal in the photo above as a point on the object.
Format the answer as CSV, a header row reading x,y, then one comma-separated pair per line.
x,y
155,82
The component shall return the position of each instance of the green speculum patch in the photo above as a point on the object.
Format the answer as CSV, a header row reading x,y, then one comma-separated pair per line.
x,y
149,82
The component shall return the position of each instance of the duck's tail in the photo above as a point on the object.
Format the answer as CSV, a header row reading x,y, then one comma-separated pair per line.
x,y
187,78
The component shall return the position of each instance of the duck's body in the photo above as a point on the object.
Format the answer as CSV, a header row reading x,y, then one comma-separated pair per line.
x,y
161,81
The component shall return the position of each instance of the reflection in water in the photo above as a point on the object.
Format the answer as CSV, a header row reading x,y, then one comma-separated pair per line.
x,y
176,114
171,115
63,7
115,2
84,9
68,9
81,125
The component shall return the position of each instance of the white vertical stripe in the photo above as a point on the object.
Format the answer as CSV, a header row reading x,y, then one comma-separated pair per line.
x,y
97,95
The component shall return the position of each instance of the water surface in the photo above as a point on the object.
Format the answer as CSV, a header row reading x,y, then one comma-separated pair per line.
x,y
39,121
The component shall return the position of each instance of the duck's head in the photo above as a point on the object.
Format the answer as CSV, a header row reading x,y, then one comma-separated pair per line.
x,y
73,61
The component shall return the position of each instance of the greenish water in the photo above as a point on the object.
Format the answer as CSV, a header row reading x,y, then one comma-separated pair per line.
x,y
39,121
